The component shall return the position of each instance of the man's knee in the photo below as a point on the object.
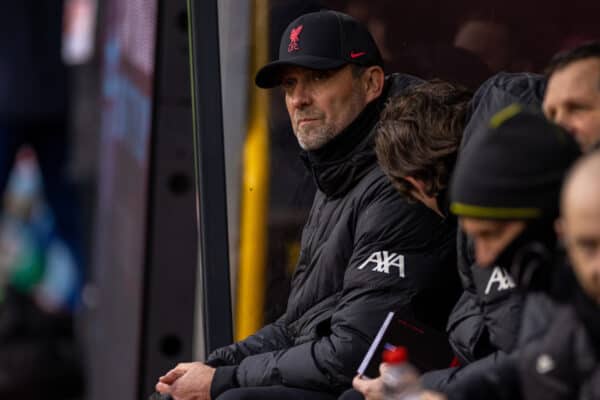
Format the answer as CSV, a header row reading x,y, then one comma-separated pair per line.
x,y
236,394
351,394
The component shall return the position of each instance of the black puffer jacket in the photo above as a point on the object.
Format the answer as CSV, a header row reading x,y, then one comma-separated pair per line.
x,y
563,362
484,325
364,252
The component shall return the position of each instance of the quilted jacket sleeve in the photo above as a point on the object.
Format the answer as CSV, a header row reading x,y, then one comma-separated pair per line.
x,y
396,253
272,337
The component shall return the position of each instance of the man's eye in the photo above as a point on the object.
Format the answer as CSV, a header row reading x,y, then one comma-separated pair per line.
x,y
321,75
587,245
575,107
287,83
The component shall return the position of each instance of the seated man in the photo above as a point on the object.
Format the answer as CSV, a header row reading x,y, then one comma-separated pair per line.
x,y
505,191
364,249
418,141
565,363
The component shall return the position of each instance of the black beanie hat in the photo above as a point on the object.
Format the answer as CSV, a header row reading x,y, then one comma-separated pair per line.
x,y
513,170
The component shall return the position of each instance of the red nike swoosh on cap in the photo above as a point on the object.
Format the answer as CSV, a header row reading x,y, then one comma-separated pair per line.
x,y
358,54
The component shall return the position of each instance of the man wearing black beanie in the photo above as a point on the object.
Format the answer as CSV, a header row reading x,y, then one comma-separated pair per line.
x,y
505,190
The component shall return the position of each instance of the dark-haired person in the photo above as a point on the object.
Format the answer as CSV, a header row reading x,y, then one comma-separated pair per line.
x,y
419,137
417,141
572,97
364,249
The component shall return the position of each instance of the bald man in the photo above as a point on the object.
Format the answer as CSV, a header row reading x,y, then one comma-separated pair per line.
x,y
580,223
565,363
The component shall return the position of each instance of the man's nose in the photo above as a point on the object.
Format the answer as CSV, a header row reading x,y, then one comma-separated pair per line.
x,y
300,96
564,119
484,255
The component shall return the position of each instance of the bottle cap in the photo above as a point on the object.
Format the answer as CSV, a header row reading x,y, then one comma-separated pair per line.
x,y
395,355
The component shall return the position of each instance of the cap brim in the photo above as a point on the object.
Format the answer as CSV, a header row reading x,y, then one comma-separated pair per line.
x,y
269,76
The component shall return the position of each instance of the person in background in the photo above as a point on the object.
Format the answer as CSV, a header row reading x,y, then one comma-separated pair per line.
x,y
494,41
572,97
38,358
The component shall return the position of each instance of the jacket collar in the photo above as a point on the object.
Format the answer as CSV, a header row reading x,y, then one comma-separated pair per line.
x,y
339,164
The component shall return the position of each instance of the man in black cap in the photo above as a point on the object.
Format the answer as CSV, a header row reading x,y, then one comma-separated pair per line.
x,y
364,250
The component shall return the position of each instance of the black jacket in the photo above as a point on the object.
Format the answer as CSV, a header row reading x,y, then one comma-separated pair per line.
x,y
364,251
484,325
562,363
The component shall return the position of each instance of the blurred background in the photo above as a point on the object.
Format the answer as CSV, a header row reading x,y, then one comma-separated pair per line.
x,y
153,198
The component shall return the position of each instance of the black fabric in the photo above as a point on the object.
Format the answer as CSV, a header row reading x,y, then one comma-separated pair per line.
x,y
338,165
500,382
588,312
321,40
274,393
496,377
529,257
363,253
499,91
351,394
556,359
563,363
517,163
223,380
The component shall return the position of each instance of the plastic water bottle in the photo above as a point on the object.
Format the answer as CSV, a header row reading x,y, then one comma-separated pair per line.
x,y
400,378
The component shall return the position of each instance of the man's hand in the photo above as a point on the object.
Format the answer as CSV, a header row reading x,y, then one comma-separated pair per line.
x,y
187,381
372,389
429,395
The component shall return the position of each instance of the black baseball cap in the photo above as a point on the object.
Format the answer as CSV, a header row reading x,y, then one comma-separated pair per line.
x,y
321,40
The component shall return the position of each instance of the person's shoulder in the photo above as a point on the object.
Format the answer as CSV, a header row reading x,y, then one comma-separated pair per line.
x,y
398,83
527,87
498,92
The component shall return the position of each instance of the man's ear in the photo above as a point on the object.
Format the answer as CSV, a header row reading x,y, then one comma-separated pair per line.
x,y
373,79
418,185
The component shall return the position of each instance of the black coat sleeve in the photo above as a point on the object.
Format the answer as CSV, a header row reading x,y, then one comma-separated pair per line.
x,y
500,382
441,380
272,337
390,262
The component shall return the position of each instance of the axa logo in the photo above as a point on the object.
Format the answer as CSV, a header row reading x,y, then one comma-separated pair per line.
x,y
295,38
382,261
544,364
501,278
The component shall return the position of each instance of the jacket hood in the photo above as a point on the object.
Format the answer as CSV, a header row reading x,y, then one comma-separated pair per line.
x,y
499,91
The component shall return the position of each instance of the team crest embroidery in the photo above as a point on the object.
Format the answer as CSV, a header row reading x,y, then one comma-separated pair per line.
x,y
295,38
381,261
